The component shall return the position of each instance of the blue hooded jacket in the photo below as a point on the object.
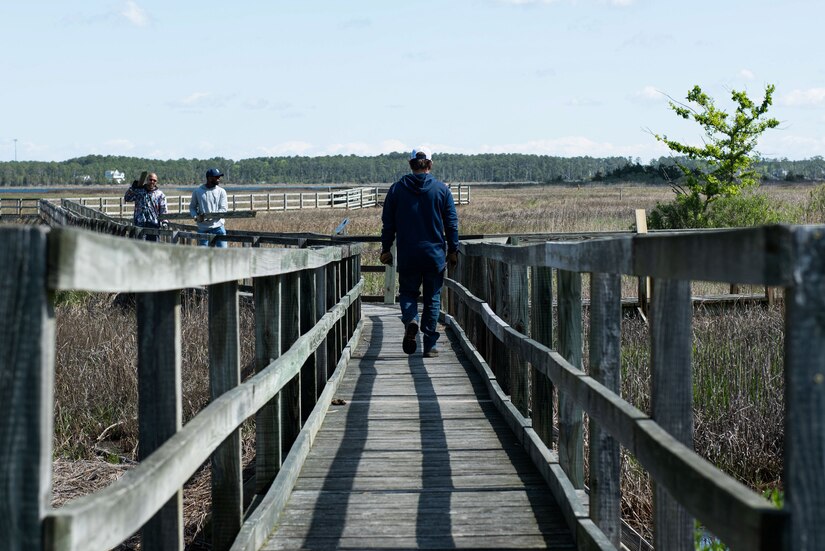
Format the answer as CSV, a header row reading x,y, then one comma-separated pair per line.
x,y
419,212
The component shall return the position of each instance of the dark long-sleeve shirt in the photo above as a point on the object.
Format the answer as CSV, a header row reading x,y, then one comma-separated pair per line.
x,y
419,213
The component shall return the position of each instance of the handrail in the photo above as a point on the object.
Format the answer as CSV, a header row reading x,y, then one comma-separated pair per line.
x,y
77,524
789,256
314,331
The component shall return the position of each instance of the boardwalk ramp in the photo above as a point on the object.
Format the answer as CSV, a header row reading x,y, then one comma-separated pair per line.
x,y
416,458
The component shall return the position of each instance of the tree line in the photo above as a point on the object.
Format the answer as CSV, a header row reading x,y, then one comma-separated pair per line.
x,y
352,169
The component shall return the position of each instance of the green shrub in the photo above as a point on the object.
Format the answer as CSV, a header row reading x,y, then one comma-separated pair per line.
x,y
746,209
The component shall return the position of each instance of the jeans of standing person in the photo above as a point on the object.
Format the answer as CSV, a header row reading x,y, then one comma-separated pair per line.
x,y
408,293
220,243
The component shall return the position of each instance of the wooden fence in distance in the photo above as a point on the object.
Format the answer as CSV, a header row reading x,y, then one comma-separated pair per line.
x,y
347,199
307,308
500,294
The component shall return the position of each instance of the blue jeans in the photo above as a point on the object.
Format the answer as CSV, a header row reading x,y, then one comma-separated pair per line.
x,y
408,293
220,230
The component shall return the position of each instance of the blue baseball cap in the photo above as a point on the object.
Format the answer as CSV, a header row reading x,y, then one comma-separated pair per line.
x,y
214,173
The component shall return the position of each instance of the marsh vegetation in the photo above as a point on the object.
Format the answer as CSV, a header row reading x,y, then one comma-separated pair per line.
x,y
737,379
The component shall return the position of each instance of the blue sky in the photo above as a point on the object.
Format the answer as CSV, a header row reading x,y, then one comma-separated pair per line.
x,y
172,79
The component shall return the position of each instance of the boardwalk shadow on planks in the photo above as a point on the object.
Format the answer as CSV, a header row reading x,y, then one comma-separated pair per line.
x,y
412,468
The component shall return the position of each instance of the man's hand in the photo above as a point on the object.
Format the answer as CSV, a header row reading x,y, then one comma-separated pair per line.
x,y
386,258
452,258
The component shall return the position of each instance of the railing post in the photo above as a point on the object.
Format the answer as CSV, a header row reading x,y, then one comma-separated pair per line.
x,y
605,367
514,312
644,281
309,375
268,452
290,331
571,443
332,300
498,359
671,396
159,402
541,329
805,393
224,375
390,278
26,392
321,376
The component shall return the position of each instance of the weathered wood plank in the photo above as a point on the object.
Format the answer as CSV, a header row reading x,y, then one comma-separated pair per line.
x,y
290,332
752,255
309,376
124,263
671,394
159,403
541,330
26,386
805,394
104,519
605,367
444,464
255,532
268,452
571,441
224,375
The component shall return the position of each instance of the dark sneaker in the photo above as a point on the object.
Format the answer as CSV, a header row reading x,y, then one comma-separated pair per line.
x,y
431,353
408,344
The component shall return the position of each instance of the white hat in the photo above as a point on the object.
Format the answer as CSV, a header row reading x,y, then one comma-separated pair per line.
x,y
421,153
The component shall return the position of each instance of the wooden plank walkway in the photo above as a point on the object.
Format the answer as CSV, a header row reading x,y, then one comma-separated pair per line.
x,y
417,458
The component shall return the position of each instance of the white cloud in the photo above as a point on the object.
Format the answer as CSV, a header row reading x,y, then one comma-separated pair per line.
x,y
119,145
747,74
648,94
198,101
812,97
135,14
288,149
572,146
791,146
583,102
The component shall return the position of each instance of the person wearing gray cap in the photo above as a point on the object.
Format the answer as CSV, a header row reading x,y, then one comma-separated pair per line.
x,y
207,203
420,216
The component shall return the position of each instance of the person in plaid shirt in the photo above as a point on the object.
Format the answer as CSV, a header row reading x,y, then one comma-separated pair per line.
x,y
150,203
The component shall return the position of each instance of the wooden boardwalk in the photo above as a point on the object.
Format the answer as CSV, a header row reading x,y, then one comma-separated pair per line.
x,y
417,458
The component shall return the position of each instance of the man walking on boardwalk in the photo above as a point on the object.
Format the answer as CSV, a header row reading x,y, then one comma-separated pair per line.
x,y
207,204
419,214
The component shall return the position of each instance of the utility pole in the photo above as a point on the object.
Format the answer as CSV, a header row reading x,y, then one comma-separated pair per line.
x,y
15,150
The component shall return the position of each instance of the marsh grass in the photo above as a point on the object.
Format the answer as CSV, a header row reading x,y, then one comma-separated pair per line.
x,y
738,383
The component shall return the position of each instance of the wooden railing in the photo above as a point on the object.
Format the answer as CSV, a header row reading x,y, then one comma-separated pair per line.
x,y
500,300
307,321
349,199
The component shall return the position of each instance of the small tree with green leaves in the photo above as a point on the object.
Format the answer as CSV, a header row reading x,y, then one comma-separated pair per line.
x,y
722,166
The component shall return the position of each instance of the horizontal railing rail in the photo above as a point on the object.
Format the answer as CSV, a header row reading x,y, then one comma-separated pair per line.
x,y
307,312
503,294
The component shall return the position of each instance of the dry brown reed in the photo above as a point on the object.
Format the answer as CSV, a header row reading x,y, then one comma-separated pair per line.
x,y
738,376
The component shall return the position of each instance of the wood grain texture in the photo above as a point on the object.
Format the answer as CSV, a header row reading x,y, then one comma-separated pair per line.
x,y
26,386
105,518
805,393
605,367
571,439
671,394
224,375
418,456
159,403
125,262
541,331
268,453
